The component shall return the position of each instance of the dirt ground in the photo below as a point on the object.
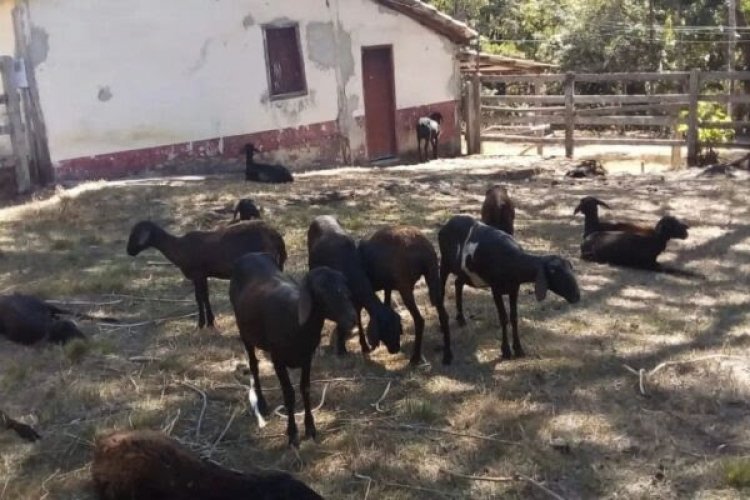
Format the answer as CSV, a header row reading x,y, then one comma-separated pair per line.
x,y
571,420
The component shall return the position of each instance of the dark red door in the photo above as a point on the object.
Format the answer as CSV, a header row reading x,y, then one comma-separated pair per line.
x,y
380,101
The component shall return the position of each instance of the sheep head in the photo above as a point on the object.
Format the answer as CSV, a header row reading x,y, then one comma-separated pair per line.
x,y
327,288
589,204
141,237
556,274
669,227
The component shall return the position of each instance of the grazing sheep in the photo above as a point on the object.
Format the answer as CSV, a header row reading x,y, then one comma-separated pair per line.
x,y
631,249
245,210
25,319
24,431
329,245
285,319
482,256
203,254
149,465
498,210
428,130
395,258
588,206
263,172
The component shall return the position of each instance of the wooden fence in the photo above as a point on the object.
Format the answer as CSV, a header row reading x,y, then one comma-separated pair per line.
x,y
537,113
19,158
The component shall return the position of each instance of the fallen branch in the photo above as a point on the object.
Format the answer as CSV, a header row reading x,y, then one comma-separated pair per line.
x,y
419,428
149,322
83,302
376,404
278,410
203,410
503,479
143,359
540,486
150,299
221,436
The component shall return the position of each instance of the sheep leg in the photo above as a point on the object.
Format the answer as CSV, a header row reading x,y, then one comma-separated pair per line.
x,y
505,347
207,305
387,297
459,286
262,405
444,326
408,297
434,147
513,300
362,339
288,390
199,300
304,388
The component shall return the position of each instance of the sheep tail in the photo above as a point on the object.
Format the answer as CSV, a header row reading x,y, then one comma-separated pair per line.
x,y
432,277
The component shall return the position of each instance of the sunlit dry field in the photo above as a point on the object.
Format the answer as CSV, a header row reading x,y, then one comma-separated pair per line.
x,y
572,418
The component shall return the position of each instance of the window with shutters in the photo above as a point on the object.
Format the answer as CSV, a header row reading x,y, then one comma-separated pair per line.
x,y
286,70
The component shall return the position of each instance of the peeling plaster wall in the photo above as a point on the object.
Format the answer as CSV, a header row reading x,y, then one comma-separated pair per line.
x,y
119,76
7,39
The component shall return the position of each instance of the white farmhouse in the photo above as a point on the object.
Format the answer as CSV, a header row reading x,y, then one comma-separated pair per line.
x,y
126,85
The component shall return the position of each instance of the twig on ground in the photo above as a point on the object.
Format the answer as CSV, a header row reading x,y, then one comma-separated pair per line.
x,y
83,302
540,486
278,411
401,485
203,410
419,428
143,359
150,299
170,426
643,375
44,484
149,322
494,479
235,411
376,404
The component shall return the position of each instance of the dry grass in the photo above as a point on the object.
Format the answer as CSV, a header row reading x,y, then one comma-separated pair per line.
x,y
569,416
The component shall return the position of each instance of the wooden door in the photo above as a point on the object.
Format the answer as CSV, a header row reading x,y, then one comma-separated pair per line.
x,y
380,101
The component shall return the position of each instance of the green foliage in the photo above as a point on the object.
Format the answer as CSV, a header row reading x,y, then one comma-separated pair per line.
x,y
709,112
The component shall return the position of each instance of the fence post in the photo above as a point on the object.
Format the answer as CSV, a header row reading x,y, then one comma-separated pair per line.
x,y
475,103
17,136
539,89
692,132
569,113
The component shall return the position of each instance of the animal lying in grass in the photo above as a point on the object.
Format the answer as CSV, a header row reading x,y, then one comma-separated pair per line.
x,y
264,172
632,249
26,320
203,254
589,207
147,465
285,319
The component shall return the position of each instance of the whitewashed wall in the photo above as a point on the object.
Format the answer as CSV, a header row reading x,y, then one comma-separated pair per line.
x,y
119,75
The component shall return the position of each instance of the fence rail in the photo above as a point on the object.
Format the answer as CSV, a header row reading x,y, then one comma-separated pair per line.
x,y
11,99
567,110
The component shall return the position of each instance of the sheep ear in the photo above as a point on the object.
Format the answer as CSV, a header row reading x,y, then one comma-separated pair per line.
x,y
304,306
540,286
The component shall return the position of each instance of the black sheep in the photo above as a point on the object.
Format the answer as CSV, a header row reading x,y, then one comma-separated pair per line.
x,y
329,245
245,210
25,319
498,210
632,249
285,319
484,257
263,172
589,207
428,131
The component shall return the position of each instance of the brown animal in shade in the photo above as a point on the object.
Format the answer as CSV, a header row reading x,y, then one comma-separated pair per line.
x,y
149,465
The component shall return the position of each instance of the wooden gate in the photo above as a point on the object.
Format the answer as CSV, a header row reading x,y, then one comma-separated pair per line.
x,y
15,175
380,101
531,114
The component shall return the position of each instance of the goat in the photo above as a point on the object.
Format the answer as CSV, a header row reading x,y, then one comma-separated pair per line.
x,y
588,206
263,172
245,210
203,254
428,130
482,256
26,320
24,431
631,249
329,245
394,259
498,210
285,319
148,464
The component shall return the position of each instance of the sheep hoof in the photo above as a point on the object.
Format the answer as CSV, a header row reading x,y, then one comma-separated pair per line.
x,y
519,352
506,352
311,433
415,360
294,441
461,320
263,407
